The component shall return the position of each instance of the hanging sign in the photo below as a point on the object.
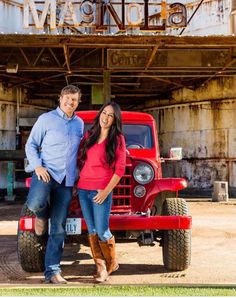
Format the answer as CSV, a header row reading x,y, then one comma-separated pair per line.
x,y
106,15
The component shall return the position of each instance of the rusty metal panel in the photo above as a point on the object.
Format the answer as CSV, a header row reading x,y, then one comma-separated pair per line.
x,y
232,174
201,174
11,18
212,18
190,58
195,58
207,133
137,58
7,139
232,142
7,116
132,58
7,126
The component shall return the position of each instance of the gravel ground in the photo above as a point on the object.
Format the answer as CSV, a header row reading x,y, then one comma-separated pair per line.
x,y
213,253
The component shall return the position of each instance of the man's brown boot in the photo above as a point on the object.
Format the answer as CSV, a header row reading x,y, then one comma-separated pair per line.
x,y
109,253
98,257
57,279
40,226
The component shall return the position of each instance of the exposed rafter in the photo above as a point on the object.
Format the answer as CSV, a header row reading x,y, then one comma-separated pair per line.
x,y
140,67
67,58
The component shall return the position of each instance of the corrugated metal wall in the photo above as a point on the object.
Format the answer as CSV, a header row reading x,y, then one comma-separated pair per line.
x,y
8,121
206,130
213,17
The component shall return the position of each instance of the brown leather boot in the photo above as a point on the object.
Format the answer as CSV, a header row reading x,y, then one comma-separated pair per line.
x,y
98,257
108,250
57,279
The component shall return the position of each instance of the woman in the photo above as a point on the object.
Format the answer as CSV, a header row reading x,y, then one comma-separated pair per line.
x,y
102,157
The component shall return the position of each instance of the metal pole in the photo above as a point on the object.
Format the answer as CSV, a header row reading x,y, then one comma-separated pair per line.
x,y
10,197
107,85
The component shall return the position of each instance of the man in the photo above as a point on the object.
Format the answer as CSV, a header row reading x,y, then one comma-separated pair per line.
x,y
51,150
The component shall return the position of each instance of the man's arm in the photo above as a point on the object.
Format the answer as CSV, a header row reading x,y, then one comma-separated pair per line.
x,y
32,149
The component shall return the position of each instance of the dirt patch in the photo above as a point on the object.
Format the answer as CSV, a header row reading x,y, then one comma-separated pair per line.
x,y
213,252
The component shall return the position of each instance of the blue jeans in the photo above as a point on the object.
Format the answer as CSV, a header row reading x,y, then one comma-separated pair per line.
x,y
51,200
96,215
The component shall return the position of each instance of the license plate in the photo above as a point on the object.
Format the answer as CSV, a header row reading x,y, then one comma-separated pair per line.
x,y
73,226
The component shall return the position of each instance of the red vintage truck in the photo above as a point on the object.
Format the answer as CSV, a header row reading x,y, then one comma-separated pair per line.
x,y
140,209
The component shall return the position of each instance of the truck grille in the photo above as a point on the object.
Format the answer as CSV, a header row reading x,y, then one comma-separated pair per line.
x,y
122,193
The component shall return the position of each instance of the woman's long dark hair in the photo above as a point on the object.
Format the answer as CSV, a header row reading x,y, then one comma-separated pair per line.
x,y
94,133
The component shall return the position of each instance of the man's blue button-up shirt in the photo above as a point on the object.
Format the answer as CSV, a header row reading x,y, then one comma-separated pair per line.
x,y
53,143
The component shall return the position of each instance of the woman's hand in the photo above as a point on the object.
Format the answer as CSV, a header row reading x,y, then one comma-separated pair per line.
x,y
100,196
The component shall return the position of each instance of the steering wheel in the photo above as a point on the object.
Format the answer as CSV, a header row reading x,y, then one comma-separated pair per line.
x,y
134,146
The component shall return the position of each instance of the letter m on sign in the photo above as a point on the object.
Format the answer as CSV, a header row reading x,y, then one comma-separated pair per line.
x,y
39,22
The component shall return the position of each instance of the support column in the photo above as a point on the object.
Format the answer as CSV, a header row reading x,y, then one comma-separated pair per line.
x,y
107,85
10,197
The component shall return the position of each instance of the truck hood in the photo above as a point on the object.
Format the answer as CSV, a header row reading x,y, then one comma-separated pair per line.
x,y
149,154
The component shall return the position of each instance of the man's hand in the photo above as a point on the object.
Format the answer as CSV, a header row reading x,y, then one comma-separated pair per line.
x,y
74,191
43,174
100,196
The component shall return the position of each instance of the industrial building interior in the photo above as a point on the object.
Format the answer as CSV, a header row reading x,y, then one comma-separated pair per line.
x,y
138,72
131,70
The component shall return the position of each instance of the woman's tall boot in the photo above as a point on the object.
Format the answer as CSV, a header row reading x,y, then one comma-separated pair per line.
x,y
109,253
98,257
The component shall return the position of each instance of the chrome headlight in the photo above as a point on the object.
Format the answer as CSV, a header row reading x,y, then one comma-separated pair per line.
x,y
139,191
143,173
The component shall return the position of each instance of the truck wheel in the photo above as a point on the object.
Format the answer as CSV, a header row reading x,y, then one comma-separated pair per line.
x,y
30,247
176,247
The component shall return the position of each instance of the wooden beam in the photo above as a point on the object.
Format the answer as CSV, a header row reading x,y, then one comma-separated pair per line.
x,y
55,57
121,41
153,53
39,55
168,81
12,155
221,71
135,95
83,56
25,57
151,57
71,54
67,57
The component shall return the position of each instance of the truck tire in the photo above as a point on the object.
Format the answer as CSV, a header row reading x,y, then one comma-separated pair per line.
x,y
176,244
30,247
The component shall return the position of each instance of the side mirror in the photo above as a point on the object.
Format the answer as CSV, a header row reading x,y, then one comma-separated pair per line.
x,y
176,153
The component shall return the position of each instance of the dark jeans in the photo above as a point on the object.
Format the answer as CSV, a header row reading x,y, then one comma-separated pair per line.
x,y
51,200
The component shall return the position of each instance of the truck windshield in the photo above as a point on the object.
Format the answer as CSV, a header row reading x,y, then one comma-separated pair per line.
x,y
137,136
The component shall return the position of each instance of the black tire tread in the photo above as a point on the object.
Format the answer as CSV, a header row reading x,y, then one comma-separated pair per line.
x,y
30,247
177,243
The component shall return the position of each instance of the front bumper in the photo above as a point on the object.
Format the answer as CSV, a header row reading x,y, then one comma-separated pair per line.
x,y
129,222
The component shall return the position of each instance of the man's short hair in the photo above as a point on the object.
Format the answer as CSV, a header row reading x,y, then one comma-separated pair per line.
x,y
70,89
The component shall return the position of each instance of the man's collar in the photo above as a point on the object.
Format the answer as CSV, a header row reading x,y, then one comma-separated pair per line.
x,y
63,115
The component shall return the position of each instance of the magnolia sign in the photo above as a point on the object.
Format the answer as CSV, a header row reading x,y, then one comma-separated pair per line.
x,y
146,15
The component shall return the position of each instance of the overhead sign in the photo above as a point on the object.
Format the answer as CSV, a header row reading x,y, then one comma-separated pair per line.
x,y
132,58
147,15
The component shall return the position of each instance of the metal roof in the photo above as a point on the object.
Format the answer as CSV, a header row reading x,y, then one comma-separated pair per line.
x,y
141,67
